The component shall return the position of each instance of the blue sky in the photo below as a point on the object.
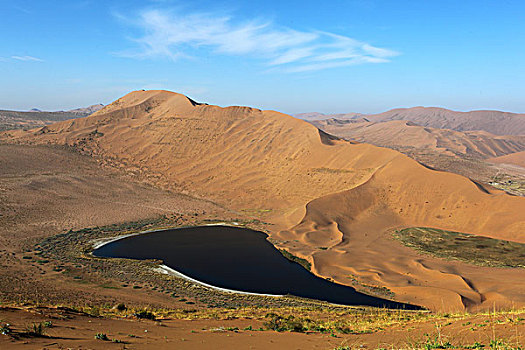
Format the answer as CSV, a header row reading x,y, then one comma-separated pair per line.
x,y
293,56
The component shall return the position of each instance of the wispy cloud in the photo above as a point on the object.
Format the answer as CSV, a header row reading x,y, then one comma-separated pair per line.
x,y
27,58
176,35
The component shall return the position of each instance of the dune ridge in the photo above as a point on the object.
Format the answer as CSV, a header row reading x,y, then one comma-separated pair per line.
x,y
316,190
401,134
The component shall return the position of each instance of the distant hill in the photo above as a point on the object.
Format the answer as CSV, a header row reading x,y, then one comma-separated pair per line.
x,y
36,118
495,122
319,116
401,134
88,110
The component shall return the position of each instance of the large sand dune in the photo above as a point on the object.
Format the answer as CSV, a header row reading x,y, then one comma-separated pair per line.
x,y
317,191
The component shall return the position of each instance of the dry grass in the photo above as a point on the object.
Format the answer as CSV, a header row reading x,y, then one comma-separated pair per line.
x,y
478,250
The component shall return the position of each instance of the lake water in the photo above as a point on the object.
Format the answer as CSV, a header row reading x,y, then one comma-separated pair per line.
x,y
238,259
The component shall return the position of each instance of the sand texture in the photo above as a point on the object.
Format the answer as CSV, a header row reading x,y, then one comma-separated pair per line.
x,y
318,191
517,158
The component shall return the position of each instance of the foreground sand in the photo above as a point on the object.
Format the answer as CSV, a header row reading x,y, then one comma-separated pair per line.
x,y
72,329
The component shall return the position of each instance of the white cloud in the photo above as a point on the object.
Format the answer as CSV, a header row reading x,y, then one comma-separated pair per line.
x,y
176,35
27,58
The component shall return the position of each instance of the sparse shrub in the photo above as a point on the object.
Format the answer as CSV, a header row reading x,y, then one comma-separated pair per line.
x,y
36,329
144,314
93,311
437,344
101,336
121,307
281,324
6,329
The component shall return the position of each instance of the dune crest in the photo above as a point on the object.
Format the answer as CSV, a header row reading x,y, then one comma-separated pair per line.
x,y
317,190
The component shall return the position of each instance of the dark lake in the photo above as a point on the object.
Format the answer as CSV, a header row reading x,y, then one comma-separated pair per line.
x,y
235,258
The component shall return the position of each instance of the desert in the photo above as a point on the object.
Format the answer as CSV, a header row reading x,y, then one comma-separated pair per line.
x,y
330,202
263,175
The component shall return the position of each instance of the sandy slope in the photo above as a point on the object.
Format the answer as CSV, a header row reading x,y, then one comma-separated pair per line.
x,y
247,158
401,134
517,158
355,225
320,192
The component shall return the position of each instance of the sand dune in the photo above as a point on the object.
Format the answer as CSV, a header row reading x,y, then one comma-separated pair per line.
x,y
355,225
517,158
319,192
400,134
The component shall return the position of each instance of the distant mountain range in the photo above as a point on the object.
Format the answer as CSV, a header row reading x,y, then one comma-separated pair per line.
x,y
85,110
37,118
88,110
401,135
495,122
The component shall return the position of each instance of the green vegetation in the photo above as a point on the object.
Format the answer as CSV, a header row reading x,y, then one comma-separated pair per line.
x,y
101,336
371,289
510,184
303,262
436,343
5,329
301,324
331,171
281,324
477,250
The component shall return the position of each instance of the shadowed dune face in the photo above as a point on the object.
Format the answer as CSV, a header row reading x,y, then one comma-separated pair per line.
x,y
319,192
